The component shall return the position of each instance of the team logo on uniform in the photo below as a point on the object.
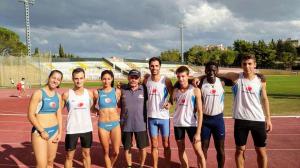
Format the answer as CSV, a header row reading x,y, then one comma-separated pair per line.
x,y
52,104
107,100
248,89
154,91
213,91
80,104
182,102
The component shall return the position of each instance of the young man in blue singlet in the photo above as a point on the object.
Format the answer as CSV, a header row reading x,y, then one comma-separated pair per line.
x,y
213,106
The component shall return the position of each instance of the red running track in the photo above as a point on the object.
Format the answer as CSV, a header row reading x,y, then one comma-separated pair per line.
x,y
16,151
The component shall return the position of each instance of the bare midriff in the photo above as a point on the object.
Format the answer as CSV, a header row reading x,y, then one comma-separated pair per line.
x,y
47,120
108,115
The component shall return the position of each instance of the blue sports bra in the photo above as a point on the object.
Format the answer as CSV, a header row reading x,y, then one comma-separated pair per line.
x,y
107,100
48,104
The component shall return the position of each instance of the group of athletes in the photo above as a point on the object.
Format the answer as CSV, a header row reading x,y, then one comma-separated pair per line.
x,y
142,106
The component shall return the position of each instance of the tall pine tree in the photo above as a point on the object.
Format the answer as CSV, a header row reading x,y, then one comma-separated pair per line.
x,y
61,52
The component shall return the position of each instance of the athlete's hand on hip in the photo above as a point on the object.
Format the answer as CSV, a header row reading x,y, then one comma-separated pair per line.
x,y
44,135
196,139
167,105
119,84
57,138
269,126
196,82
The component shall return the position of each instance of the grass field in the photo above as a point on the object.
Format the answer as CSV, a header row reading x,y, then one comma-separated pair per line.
x,y
283,92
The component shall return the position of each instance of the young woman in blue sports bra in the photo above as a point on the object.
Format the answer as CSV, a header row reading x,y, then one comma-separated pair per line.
x,y
107,99
44,114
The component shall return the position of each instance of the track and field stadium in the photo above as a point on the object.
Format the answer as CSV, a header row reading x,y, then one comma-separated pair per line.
x,y
283,143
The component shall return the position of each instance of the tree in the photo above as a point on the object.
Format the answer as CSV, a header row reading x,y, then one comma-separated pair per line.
x,y
36,51
191,55
286,53
61,52
260,50
279,50
203,57
272,45
288,59
268,60
227,57
197,55
170,55
298,51
214,55
194,54
289,47
242,47
10,43
69,56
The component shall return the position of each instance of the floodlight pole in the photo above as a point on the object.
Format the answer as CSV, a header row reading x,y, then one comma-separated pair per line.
x,y
27,24
181,26
27,27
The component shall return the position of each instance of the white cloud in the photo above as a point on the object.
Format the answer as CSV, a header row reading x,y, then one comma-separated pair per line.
x,y
43,42
296,23
102,38
150,48
147,32
215,23
126,47
206,17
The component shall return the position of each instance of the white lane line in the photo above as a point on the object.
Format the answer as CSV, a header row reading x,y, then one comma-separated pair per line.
x,y
25,115
26,122
18,113
174,148
96,133
13,114
12,165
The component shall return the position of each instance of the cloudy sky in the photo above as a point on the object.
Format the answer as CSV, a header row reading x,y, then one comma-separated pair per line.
x,y
144,28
